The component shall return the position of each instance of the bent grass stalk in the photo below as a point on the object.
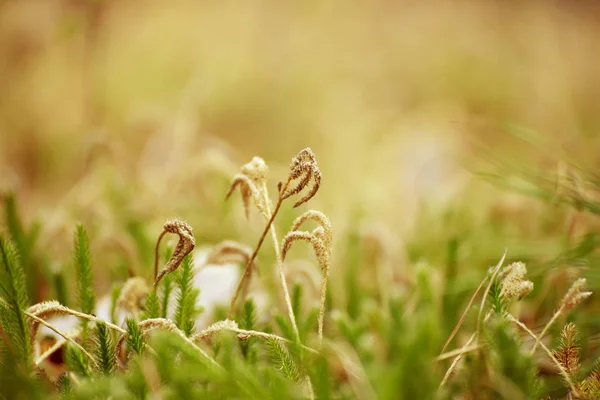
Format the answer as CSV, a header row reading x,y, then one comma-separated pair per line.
x,y
242,334
61,333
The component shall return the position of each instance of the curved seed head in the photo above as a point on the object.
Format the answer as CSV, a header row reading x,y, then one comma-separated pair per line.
x,y
133,293
229,251
303,168
185,245
575,295
514,282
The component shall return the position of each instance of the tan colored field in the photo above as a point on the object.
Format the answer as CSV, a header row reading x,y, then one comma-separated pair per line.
x,y
122,114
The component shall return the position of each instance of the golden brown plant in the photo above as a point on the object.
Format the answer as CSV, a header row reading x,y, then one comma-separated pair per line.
x,y
303,169
321,240
514,284
242,334
572,298
184,247
250,182
229,251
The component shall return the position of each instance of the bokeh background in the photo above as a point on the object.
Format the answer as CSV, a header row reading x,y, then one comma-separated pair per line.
x,y
121,114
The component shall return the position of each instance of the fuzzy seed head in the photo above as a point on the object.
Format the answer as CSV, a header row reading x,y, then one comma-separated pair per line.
x,y
208,333
133,293
515,285
575,295
229,251
303,168
257,169
320,237
249,192
568,352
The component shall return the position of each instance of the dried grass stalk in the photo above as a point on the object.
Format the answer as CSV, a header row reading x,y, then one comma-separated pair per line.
x,y
38,320
242,334
52,308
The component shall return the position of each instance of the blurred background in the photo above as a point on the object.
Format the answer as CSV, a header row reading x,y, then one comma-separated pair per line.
x,y
121,114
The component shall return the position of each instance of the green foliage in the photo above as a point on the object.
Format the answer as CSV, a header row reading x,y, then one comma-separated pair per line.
x,y
24,240
167,288
352,263
187,298
496,301
135,380
508,360
83,269
285,326
14,301
105,349
114,297
297,299
371,349
65,386
322,379
76,361
282,360
106,387
248,322
60,287
135,337
152,306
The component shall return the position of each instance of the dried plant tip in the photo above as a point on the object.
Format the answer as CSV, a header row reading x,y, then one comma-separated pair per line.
x,y
568,352
132,295
574,295
229,251
303,168
208,333
159,323
253,174
184,246
249,191
515,286
257,169
323,232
